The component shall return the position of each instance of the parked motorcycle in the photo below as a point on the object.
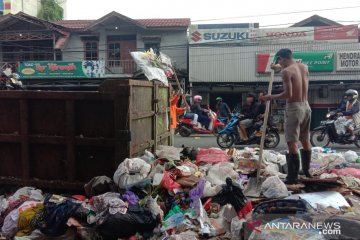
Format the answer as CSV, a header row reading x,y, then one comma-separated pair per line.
x,y
9,81
327,133
230,134
185,127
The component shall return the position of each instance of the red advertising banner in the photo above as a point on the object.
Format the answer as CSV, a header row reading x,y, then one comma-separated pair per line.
x,y
350,32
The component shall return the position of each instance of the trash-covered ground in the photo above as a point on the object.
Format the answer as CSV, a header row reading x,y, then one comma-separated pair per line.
x,y
187,193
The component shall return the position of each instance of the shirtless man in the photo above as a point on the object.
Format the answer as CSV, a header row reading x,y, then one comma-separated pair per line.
x,y
295,78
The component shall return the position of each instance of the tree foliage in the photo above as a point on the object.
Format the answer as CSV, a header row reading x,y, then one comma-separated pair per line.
x,y
51,10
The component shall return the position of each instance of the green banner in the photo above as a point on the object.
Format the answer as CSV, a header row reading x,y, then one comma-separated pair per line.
x,y
62,69
316,61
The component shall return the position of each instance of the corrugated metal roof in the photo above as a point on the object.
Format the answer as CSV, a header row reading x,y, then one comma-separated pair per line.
x,y
238,63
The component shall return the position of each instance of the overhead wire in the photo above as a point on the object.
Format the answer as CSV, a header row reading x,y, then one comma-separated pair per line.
x,y
280,13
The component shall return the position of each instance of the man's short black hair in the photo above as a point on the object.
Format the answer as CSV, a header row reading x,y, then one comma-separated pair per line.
x,y
283,53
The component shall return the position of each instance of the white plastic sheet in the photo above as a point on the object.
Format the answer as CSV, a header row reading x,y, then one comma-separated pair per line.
x,y
273,187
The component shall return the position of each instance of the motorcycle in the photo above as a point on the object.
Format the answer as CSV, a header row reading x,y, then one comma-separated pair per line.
x,y
327,133
8,81
224,120
230,134
185,126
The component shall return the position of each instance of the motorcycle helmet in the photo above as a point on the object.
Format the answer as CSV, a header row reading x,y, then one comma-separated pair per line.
x,y
251,95
219,99
197,98
352,93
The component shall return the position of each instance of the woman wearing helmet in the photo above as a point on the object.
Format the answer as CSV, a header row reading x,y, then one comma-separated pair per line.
x,y
351,112
196,108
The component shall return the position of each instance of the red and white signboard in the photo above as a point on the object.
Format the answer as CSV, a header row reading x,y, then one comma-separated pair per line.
x,y
264,61
296,34
344,33
270,35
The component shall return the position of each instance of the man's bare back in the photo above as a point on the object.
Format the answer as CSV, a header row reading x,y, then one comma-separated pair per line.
x,y
296,79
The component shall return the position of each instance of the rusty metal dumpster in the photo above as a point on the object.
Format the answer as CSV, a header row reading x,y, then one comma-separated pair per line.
x,y
63,139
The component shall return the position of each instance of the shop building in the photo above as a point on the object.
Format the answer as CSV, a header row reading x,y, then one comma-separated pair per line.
x,y
232,67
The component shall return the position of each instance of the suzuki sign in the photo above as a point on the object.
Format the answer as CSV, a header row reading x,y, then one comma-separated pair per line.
x,y
222,35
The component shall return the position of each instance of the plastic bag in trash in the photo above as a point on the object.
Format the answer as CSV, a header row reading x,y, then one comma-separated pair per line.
x,y
30,192
126,225
233,195
99,185
168,152
4,204
210,191
273,187
351,156
219,172
211,155
168,183
147,62
236,226
347,171
131,172
154,208
148,157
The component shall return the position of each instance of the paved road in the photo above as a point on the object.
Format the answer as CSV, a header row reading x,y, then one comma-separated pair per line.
x,y
206,141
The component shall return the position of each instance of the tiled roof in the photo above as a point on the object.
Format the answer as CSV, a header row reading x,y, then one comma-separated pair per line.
x,y
150,23
74,24
165,22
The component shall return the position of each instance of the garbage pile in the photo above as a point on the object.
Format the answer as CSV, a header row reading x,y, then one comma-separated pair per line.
x,y
187,193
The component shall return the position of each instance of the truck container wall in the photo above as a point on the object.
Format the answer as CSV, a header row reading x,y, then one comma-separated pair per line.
x,y
58,139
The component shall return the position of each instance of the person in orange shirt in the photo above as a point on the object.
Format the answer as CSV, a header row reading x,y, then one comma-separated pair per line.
x,y
174,110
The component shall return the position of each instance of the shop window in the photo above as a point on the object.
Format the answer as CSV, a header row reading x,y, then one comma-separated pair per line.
x,y
91,50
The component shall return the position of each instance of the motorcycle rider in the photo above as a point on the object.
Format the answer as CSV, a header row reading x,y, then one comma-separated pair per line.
x,y
261,111
222,108
351,112
201,112
249,112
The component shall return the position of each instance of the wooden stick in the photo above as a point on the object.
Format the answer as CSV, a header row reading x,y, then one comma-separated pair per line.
x,y
264,127
179,86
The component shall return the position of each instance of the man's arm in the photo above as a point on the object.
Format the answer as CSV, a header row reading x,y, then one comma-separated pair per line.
x,y
227,108
355,109
287,92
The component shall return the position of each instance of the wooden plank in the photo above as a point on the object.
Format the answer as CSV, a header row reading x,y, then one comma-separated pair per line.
x,y
47,139
43,184
101,142
24,128
10,138
141,147
55,95
155,117
136,116
70,140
